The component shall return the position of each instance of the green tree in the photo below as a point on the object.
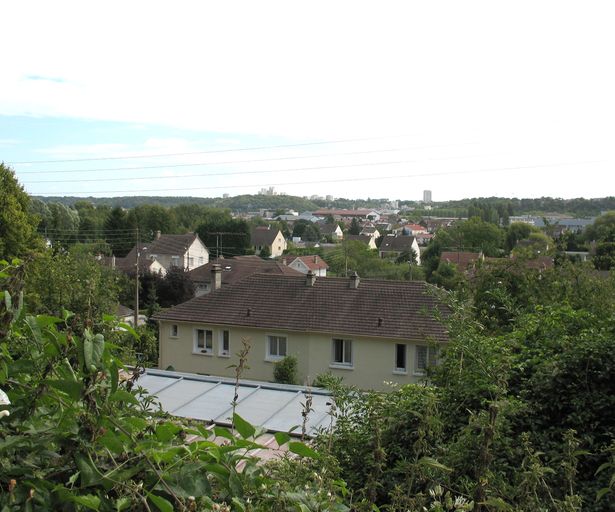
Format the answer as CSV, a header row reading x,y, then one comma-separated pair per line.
x,y
18,236
603,229
355,227
119,232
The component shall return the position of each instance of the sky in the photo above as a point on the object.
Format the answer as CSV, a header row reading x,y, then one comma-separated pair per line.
x,y
349,99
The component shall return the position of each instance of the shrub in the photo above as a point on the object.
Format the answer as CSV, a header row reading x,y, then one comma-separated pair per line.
x,y
285,370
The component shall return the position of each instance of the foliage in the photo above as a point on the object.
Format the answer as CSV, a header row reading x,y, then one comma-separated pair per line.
x,y
603,228
355,227
81,435
224,235
285,370
174,288
355,256
72,280
17,226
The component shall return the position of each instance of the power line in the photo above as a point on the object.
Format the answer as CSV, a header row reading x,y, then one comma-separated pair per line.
x,y
337,180
227,162
234,173
255,148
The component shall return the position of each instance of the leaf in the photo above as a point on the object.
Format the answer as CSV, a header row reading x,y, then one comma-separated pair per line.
x,y
433,463
70,387
129,328
88,500
235,485
115,375
244,428
166,431
303,450
238,504
497,504
122,504
8,301
89,475
111,441
121,395
161,503
602,492
281,438
223,432
603,467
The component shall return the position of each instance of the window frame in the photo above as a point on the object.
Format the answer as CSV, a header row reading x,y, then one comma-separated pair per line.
x,y
399,370
269,356
205,350
222,352
346,353
174,331
431,358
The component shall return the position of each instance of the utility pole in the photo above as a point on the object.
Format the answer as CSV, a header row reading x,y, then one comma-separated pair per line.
x,y
137,280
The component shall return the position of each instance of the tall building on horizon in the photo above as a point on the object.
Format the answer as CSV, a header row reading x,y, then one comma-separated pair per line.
x,y
427,196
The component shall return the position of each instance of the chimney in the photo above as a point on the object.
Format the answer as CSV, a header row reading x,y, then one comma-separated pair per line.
x,y
354,280
216,277
310,278
315,259
158,234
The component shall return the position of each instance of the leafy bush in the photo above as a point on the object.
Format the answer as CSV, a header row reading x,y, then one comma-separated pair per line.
x,y
285,370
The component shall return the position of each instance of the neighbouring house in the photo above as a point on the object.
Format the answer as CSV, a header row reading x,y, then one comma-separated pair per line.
x,y
333,230
165,251
264,236
393,246
127,315
410,230
464,261
304,264
346,326
227,271
370,231
347,215
368,240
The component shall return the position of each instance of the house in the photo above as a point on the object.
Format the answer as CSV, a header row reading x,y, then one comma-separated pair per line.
x,y
366,331
464,261
165,251
347,215
304,264
273,239
369,240
410,230
393,246
227,271
126,315
333,230
370,231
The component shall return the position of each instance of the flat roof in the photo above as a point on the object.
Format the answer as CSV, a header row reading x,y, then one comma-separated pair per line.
x,y
275,407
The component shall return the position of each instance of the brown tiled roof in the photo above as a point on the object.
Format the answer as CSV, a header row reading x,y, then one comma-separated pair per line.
x,y
263,235
388,309
358,238
314,262
176,245
327,229
463,259
392,243
240,267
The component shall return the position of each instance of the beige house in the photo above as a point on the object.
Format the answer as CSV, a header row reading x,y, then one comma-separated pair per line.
x,y
304,264
367,331
166,251
393,246
264,236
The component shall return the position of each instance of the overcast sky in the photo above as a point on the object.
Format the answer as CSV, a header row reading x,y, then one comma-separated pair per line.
x,y
352,99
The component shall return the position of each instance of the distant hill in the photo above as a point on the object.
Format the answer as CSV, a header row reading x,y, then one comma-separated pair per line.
x,y
578,207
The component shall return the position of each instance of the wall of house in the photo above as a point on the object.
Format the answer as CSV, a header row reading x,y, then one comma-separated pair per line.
x,y
196,255
373,359
278,246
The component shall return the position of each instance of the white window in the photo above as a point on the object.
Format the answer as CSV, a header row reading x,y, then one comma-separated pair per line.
x,y
401,365
175,261
225,343
174,331
276,347
201,261
425,357
341,352
203,341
